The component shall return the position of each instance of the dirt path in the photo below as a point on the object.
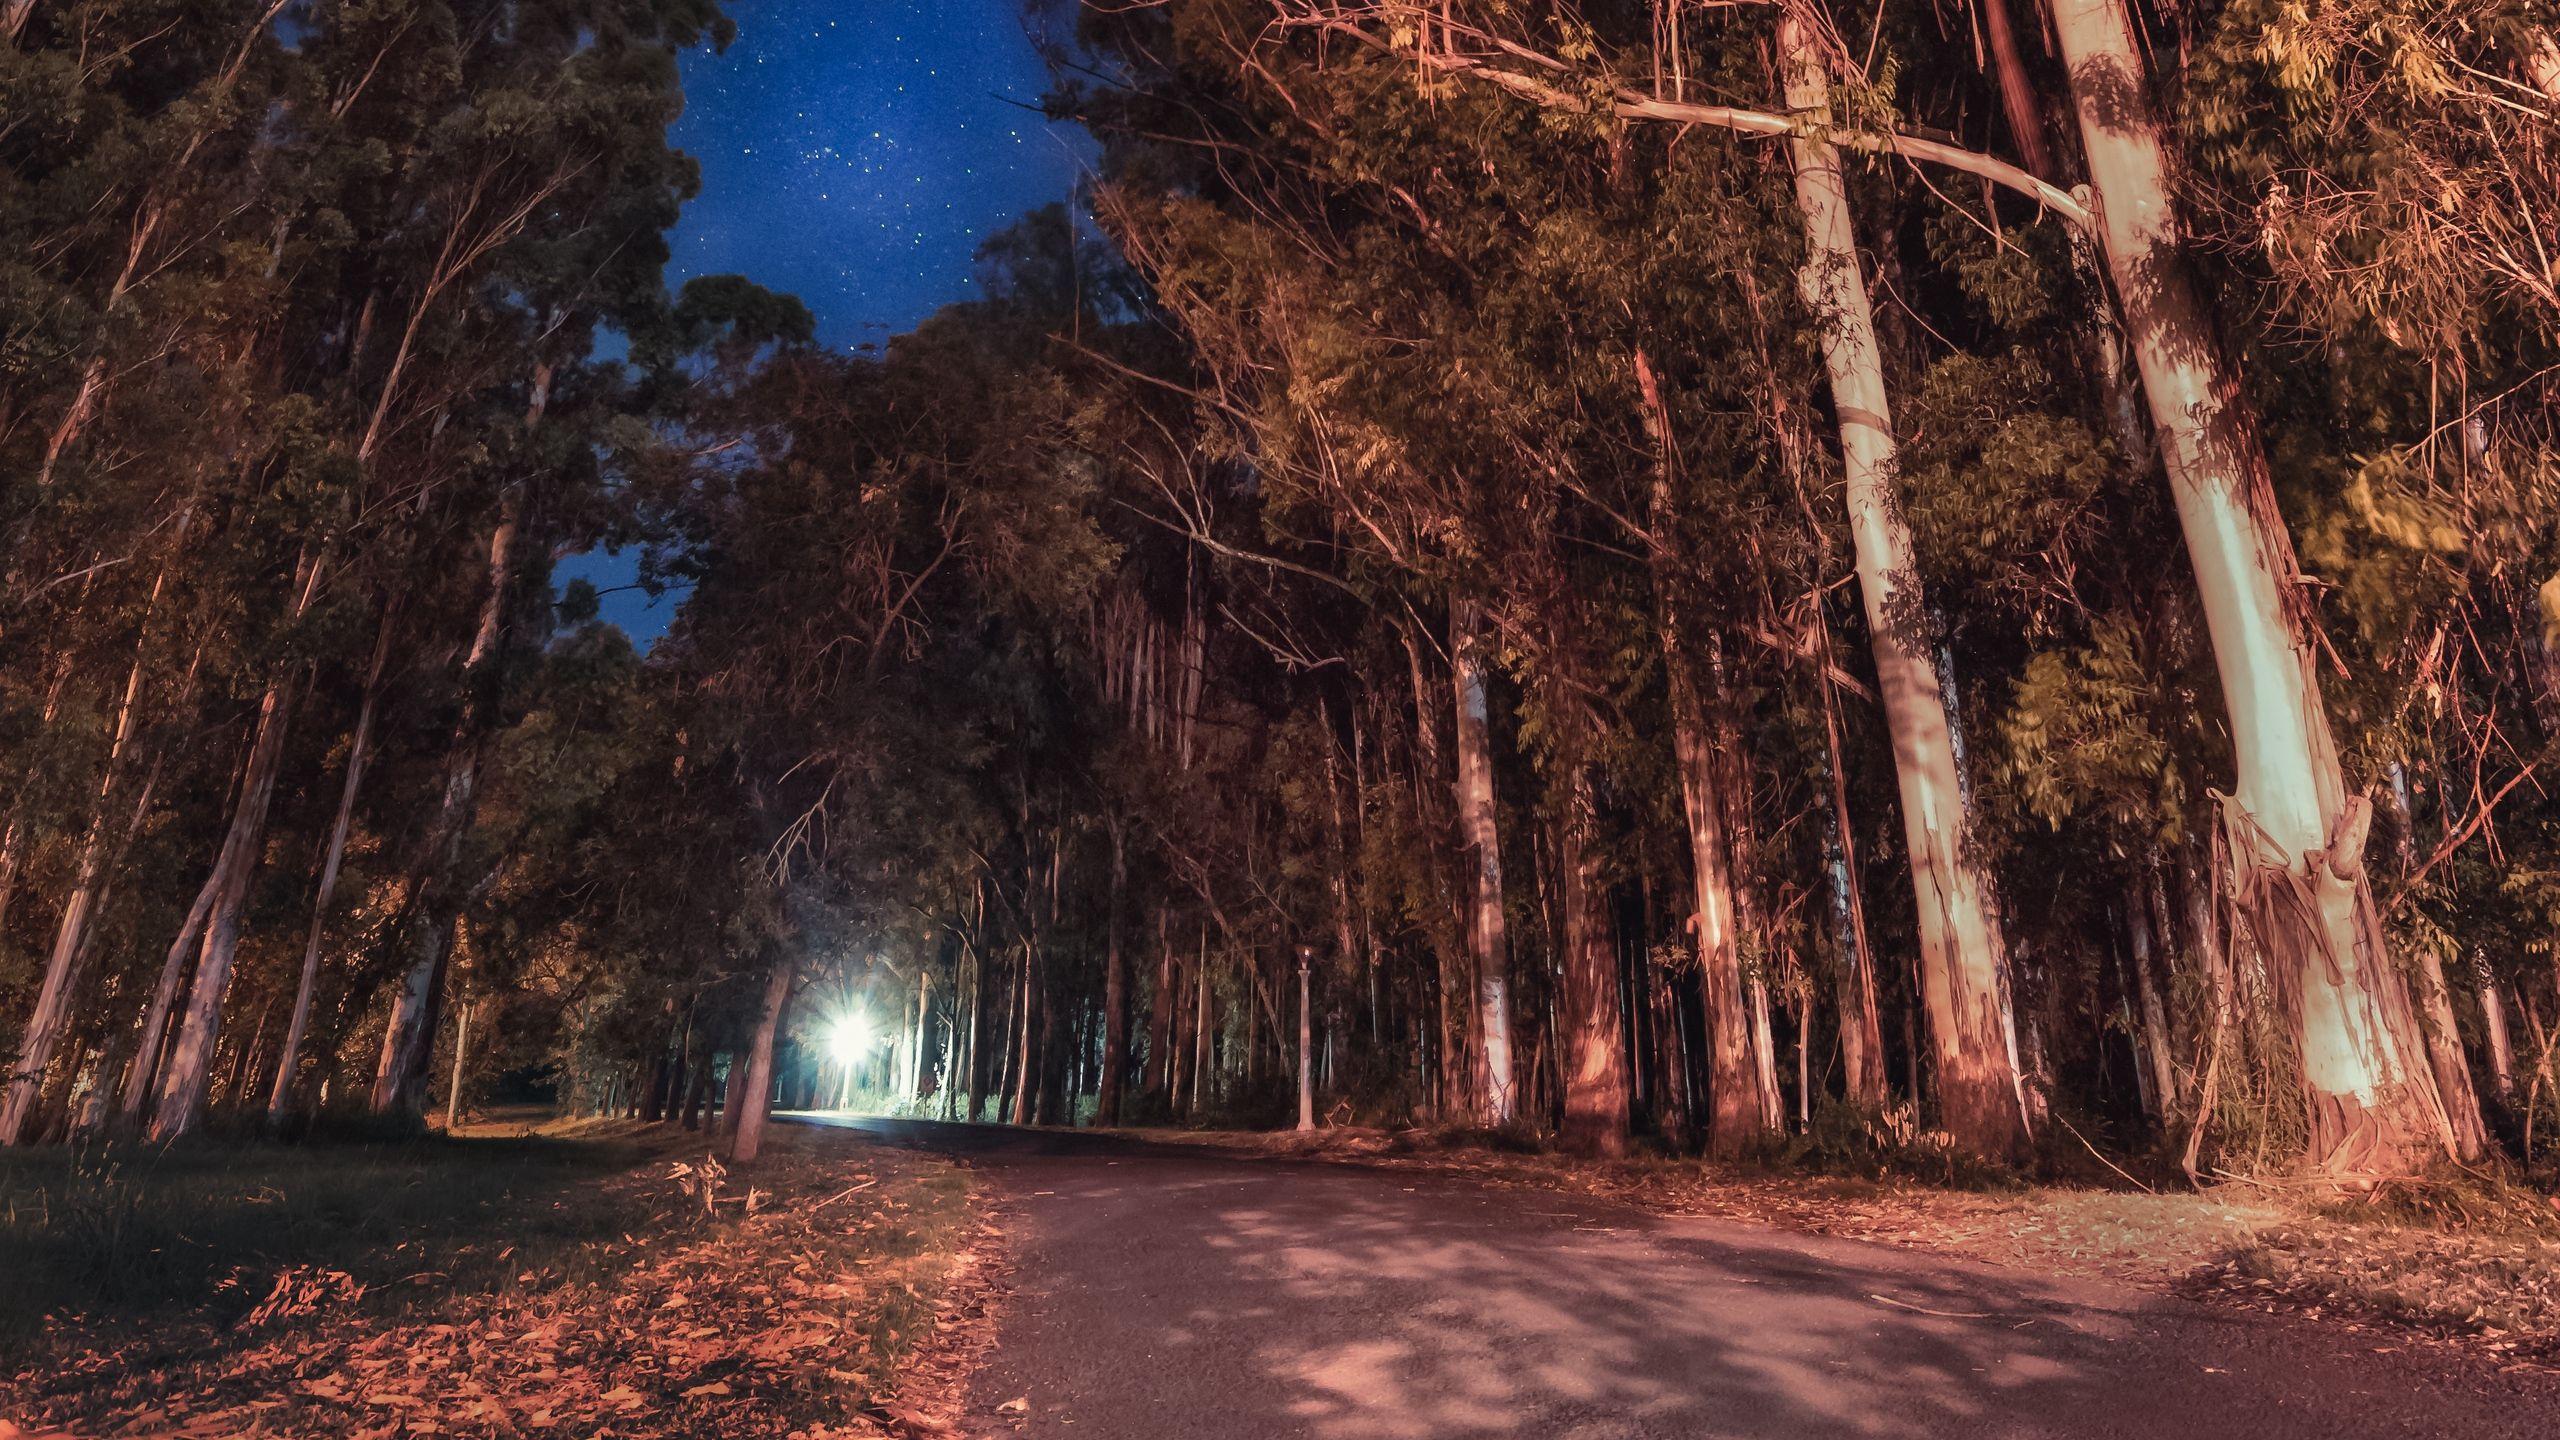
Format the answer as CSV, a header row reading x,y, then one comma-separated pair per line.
x,y
1163,1291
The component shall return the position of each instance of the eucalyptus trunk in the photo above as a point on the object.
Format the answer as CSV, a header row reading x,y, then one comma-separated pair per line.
x,y
754,1096
2199,921
1346,937
461,1051
2452,1064
359,742
1591,1033
2296,839
2493,1021
422,932
924,1023
52,1010
1115,996
2542,63
1306,1046
45,1024
2018,101
1159,1058
1963,962
1669,1039
1480,839
1202,1047
1026,1078
697,1085
733,1091
2155,1011
1177,1034
978,1012
179,1101
143,1075
1734,783
1861,1028
1738,1105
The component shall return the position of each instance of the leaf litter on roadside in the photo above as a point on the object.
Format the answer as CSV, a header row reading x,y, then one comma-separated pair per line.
x,y
781,1308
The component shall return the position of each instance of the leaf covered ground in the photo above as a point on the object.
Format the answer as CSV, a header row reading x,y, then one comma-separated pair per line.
x,y
2476,1263
594,1280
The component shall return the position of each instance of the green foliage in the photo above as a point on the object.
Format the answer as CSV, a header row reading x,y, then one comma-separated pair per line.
x,y
2080,741
1845,1140
2004,494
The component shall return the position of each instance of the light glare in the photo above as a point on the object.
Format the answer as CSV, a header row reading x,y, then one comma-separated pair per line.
x,y
848,1037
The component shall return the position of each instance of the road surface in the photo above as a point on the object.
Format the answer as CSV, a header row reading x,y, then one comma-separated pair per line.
x,y
1165,1291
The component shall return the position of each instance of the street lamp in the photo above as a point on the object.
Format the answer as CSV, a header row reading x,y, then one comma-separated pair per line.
x,y
849,1037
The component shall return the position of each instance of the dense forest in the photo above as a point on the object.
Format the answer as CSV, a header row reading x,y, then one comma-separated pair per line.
x,y
1780,579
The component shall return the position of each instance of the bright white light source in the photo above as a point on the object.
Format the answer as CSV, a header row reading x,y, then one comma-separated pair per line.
x,y
849,1037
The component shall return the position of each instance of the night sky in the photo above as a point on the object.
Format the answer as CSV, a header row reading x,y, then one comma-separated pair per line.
x,y
855,153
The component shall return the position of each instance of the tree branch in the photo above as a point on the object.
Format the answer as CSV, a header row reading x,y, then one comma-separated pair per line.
x,y
1630,104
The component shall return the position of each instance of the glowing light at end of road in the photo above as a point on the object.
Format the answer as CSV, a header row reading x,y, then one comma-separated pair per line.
x,y
849,1037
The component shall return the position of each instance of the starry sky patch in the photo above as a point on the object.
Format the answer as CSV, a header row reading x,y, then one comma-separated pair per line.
x,y
856,152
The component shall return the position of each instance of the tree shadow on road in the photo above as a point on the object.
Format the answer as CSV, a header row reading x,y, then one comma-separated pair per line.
x,y
1162,1293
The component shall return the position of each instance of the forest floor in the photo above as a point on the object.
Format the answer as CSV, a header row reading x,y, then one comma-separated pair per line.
x,y
2474,1265
589,1279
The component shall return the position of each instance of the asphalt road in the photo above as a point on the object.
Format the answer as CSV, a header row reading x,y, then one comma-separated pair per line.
x,y
1163,1291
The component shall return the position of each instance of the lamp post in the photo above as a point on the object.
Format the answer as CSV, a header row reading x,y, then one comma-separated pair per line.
x,y
1306,1042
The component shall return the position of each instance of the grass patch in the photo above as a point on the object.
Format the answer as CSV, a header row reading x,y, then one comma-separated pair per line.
x,y
120,1234
579,1280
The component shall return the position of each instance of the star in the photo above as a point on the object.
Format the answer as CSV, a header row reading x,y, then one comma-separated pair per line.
x,y
934,88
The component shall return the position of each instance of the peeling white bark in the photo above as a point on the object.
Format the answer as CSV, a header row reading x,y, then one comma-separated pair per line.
x,y
1963,964
2296,838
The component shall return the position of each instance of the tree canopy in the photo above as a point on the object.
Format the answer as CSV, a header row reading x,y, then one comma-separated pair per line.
x,y
1778,578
